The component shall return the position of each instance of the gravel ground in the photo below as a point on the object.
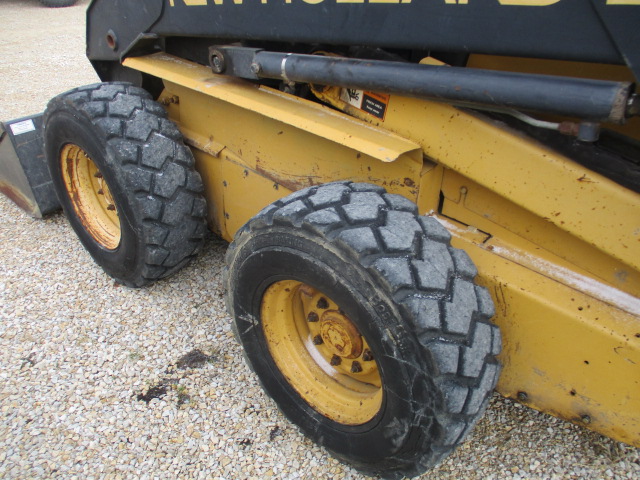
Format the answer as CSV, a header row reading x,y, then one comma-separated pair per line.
x,y
81,357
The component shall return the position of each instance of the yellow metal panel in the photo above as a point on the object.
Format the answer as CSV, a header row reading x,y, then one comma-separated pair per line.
x,y
283,143
469,203
246,193
430,186
564,352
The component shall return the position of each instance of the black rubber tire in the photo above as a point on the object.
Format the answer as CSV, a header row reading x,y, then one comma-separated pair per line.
x,y
58,3
147,167
411,295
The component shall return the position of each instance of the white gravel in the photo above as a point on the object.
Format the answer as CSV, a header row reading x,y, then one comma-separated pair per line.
x,y
76,349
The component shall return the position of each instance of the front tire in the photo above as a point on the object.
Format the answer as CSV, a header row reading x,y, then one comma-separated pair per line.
x,y
364,325
125,181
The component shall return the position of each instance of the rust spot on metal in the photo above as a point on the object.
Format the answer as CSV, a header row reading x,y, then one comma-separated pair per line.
x,y
290,182
18,198
569,128
585,179
409,183
356,367
340,335
169,100
306,290
501,299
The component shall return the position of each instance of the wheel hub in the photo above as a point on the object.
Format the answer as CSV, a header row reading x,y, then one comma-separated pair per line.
x,y
90,196
321,352
340,335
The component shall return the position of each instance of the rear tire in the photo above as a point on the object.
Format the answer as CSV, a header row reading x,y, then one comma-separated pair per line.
x,y
347,264
125,180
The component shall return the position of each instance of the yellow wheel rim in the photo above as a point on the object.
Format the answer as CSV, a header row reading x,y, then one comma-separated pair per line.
x,y
321,353
90,196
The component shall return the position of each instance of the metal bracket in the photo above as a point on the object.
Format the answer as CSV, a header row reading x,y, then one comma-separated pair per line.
x,y
235,61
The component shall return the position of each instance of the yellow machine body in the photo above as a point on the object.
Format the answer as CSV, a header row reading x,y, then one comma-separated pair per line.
x,y
556,244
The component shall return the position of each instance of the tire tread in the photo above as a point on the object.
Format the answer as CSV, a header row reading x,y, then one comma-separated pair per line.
x,y
157,170
432,282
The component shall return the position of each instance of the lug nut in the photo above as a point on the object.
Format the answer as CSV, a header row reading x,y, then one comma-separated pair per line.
x,y
317,340
336,360
312,317
367,356
356,367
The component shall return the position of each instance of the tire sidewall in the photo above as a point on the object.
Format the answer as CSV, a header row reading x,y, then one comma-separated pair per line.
x,y
315,261
67,125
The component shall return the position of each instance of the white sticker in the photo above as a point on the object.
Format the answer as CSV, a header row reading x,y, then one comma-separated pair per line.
x,y
23,127
352,97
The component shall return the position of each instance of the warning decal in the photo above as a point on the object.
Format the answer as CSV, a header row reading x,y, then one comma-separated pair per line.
x,y
22,127
373,103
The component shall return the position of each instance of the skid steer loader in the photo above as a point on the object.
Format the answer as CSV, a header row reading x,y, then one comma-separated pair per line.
x,y
425,200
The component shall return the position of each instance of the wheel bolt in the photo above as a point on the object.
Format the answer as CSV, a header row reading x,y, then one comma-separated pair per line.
x,y
356,367
312,317
367,356
323,304
336,360
317,340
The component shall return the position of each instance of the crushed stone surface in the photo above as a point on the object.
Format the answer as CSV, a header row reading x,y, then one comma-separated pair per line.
x,y
101,381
